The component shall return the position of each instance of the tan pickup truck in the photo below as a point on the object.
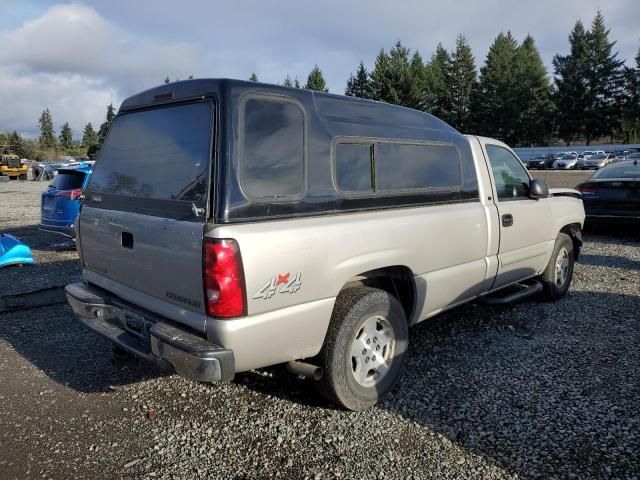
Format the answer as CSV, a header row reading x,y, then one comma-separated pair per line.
x,y
232,225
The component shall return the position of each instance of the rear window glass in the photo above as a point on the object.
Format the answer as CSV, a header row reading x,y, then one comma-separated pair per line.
x,y
405,166
68,180
619,171
162,153
353,167
272,162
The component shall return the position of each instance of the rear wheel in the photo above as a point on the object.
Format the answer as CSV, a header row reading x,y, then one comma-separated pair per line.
x,y
557,276
363,354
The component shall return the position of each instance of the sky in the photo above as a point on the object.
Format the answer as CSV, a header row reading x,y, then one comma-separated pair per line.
x,y
76,58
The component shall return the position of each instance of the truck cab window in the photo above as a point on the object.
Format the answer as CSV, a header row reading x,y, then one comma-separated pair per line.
x,y
512,180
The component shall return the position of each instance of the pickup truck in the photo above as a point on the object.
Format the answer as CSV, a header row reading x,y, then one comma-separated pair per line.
x,y
230,225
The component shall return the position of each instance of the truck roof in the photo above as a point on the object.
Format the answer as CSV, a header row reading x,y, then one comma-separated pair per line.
x,y
334,108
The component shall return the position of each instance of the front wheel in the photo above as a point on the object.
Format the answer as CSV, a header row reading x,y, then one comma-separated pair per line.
x,y
363,354
557,276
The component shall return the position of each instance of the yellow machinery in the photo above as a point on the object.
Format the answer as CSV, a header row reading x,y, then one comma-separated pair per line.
x,y
10,164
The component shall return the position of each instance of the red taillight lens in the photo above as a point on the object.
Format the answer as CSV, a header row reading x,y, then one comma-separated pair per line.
x,y
586,189
223,278
72,194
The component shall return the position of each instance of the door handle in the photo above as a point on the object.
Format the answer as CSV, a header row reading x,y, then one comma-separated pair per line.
x,y
507,220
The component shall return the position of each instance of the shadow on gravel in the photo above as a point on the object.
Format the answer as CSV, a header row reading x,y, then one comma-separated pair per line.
x,y
38,239
543,390
69,353
615,261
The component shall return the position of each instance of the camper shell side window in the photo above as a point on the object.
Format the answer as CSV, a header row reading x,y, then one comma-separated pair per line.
x,y
273,148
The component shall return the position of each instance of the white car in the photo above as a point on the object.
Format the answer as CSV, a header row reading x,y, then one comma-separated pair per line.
x,y
598,160
566,162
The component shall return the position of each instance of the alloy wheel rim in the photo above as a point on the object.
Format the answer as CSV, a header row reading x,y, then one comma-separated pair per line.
x,y
562,267
372,351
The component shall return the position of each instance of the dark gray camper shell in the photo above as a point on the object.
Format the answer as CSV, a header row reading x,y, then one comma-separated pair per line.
x,y
328,120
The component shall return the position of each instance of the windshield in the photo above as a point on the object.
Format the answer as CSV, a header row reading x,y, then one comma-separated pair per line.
x,y
620,170
598,157
161,153
568,157
67,180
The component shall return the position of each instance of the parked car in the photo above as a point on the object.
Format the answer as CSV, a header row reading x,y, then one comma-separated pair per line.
x,y
537,162
304,228
566,162
621,154
612,194
60,202
598,160
633,157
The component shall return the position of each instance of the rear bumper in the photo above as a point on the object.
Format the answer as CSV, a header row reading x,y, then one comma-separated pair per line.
x,y
67,231
149,337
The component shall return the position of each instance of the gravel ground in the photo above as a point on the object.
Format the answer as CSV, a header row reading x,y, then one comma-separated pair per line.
x,y
532,390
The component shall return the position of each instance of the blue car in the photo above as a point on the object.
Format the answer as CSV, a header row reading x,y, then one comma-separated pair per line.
x,y
60,202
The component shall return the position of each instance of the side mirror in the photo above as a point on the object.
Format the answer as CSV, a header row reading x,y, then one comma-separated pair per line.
x,y
538,189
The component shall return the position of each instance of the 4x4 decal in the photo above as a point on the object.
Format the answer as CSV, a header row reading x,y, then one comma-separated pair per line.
x,y
280,283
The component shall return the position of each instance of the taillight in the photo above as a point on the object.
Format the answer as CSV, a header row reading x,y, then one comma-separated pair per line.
x,y
586,189
72,194
223,278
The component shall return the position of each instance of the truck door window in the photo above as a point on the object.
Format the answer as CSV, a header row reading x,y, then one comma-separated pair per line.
x,y
512,180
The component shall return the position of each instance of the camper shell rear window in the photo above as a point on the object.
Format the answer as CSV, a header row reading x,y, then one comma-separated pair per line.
x,y
161,155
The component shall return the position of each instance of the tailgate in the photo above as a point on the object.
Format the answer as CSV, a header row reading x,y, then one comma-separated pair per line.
x,y
142,221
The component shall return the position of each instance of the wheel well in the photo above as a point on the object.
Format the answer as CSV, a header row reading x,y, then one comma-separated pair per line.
x,y
397,280
574,231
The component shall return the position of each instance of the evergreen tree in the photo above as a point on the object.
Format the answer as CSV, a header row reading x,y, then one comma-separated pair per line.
x,y
253,77
463,82
438,80
419,95
287,81
296,83
358,85
47,134
106,125
604,83
495,110
66,136
166,79
380,83
17,141
315,80
399,73
571,91
532,96
631,104
89,136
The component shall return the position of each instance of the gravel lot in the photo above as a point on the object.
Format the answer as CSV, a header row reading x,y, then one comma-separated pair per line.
x,y
532,390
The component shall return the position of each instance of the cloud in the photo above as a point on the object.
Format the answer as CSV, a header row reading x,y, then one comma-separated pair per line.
x,y
74,62
75,58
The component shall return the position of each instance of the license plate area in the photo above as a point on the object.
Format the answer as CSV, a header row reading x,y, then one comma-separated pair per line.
x,y
135,324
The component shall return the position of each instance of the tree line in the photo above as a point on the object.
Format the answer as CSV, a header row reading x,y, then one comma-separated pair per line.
x,y
590,95
48,145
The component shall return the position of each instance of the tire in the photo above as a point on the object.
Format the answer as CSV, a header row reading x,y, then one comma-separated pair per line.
x,y
23,176
363,317
557,276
